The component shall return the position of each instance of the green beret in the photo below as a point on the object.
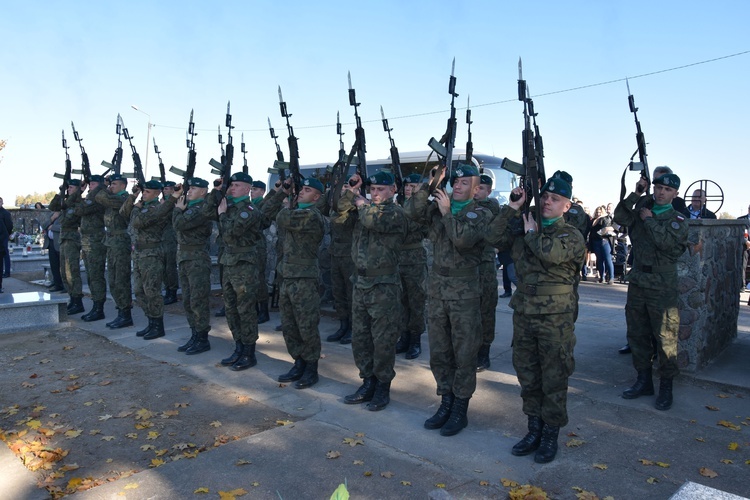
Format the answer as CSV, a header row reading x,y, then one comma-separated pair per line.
x,y
381,178
313,183
259,184
562,174
558,186
197,182
117,177
669,180
169,184
241,177
74,182
96,178
485,179
413,179
465,170
152,185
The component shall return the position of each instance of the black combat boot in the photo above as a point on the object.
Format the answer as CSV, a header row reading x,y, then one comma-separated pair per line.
x,y
644,386
364,394
200,345
221,312
344,326
458,419
309,377
232,359
263,316
156,331
119,315
75,306
170,297
664,399
442,414
96,313
382,396
187,345
402,345
483,358
246,359
347,338
141,333
415,346
530,441
547,445
295,373
123,320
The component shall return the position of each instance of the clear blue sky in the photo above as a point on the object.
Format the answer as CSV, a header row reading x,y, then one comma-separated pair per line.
x,y
87,61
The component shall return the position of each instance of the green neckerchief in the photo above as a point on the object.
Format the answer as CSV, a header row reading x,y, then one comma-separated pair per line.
x,y
155,200
304,205
194,202
257,200
124,191
549,222
660,209
237,200
457,206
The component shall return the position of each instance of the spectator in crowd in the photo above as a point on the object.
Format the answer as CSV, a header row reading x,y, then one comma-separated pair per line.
x,y
601,230
697,208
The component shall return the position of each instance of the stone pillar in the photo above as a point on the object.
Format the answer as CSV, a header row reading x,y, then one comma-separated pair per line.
x,y
710,278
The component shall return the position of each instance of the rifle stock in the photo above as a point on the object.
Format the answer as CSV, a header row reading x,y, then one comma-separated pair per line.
x,y
395,158
293,148
279,165
531,178
137,166
68,169
641,142
445,153
85,165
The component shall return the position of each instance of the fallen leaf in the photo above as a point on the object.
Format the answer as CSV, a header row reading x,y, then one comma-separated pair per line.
x,y
353,442
662,464
54,415
255,484
527,491
181,405
242,462
73,387
333,454
68,347
728,425
88,403
600,466
387,474
367,473
190,454
34,424
169,413
360,434
574,443
406,483
652,480
201,490
726,461
131,486
284,422
73,377
38,408
508,483
74,483
160,453
440,485
109,460
144,425
722,396
702,440
69,467
646,461
733,446
27,385
124,414
231,495
484,483
105,382
243,399
147,447
132,435
94,432
18,358
156,462
712,408
358,462
215,424
143,414
105,417
73,433
45,361
107,438
183,446
706,472
152,435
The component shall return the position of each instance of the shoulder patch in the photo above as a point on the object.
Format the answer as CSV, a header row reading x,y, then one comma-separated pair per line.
x,y
188,211
564,235
471,215
144,210
244,215
675,225
679,217
89,202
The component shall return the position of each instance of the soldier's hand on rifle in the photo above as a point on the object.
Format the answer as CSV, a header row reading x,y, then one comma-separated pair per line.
x,y
222,208
519,195
286,186
641,186
529,224
355,183
443,201
277,185
136,190
645,213
177,192
217,183
180,203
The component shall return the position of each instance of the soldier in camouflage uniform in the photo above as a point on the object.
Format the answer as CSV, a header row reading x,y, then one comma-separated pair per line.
x,y
70,244
548,262
92,243
119,247
487,277
457,226
659,237
192,220
342,268
241,226
148,218
412,267
169,245
299,297
256,194
376,298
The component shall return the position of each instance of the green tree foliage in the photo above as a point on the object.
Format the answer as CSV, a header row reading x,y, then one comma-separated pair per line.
x,y
30,199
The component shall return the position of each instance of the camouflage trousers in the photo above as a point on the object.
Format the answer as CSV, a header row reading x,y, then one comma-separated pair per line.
x,y
70,267
240,289
342,268
543,359
413,298
651,313
195,276
171,280
454,328
262,283
299,302
148,271
118,275
488,300
375,323
95,260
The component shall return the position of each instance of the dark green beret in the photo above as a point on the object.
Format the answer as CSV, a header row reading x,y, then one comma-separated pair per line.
x,y
259,184
197,182
169,184
74,182
558,186
669,180
152,185
241,177
97,178
413,179
485,179
381,178
117,177
313,183
562,174
465,170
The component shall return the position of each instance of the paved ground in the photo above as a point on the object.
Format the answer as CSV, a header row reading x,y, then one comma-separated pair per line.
x,y
286,443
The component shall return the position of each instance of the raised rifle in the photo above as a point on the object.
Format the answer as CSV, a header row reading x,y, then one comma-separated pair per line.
x,y
357,155
338,168
444,147
640,139
279,165
137,166
189,172
293,147
68,170
85,165
395,159
116,166
244,151
224,169
162,174
469,143
530,178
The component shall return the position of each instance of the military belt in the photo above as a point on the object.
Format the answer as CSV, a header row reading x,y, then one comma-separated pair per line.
x,y
456,273
545,289
229,249
147,246
412,246
657,269
301,262
376,272
192,248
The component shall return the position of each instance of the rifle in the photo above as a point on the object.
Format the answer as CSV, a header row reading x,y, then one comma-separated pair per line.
x,y
68,170
444,147
337,170
137,166
162,174
640,139
279,165
469,143
116,164
395,159
187,174
538,143
358,148
85,165
225,167
293,147
530,179
244,151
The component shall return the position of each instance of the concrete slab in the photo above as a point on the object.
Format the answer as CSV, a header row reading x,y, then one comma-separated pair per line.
x,y
24,310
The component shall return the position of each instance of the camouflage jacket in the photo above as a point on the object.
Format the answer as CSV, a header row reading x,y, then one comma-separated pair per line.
x,y
193,227
147,224
658,242
579,219
376,242
92,214
169,238
493,206
116,224
241,226
458,243
547,263
69,220
304,229
342,230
